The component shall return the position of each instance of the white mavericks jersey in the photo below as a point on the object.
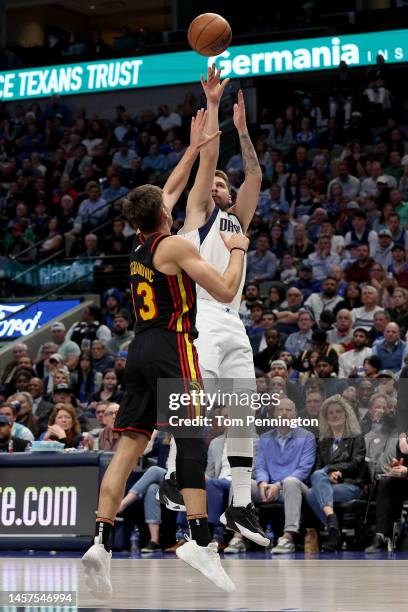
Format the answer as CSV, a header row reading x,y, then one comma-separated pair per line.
x,y
211,246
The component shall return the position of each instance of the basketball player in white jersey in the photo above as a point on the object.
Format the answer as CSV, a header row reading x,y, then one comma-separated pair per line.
x,y
224,351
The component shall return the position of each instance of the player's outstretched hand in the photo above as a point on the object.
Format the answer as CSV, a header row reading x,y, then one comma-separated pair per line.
x,y
198,138
239,113
239,241
213,88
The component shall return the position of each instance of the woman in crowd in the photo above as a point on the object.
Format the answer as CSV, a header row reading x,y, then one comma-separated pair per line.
x,y
306,364
53,241
340,465
292,188
87,380
63,426
108,392
280,175
276,296
302,247
352,298
277,241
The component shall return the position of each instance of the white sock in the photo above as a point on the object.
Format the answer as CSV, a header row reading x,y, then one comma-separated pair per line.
x,y
241,486
171,460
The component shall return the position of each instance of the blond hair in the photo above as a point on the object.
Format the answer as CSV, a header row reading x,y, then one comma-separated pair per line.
x,y
351,427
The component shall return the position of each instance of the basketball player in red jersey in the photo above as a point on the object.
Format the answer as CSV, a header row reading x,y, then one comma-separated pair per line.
x,y
164,269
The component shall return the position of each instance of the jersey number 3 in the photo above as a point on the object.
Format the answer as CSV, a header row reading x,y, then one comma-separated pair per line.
x,y
149,309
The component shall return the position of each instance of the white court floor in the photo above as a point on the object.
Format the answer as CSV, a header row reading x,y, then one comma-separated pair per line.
x,y
291,584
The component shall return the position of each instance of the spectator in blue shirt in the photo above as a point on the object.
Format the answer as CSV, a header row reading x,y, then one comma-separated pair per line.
x,y
155,161
175,154
93,210
261,263
284,462
271,202
115,190
391,350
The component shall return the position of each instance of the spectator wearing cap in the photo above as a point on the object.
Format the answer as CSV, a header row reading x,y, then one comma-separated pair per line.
x,y
301,340
256,330
342,334
18,247
41,408
369,185
383,252
326,300
68,350
363,317
121,333
322,260
8,443
10,409
359,271
261,263
120,365
350,184
360,233
55,363
351,362
111,302
305,282
391,350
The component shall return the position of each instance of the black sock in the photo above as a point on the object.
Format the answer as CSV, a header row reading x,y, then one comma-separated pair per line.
x,y
199,530
104,532
332,522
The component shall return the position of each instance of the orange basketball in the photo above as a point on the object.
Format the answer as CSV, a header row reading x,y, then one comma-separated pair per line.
x,y
209,34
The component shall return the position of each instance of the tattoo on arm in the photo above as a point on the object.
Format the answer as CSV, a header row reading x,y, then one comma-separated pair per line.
x,y
249,157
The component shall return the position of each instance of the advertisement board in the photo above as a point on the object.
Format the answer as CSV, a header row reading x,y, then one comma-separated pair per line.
x,y
48,501
16,322
266,58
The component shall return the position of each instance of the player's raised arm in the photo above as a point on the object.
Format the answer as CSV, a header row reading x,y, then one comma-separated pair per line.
x,y
200,203
247,198
180,252
177,180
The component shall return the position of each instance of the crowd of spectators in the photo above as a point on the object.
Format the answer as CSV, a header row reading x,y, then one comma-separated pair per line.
x,y
325,303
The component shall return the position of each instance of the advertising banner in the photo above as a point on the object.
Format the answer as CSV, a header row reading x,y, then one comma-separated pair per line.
x,y
48,501
261,59
16,322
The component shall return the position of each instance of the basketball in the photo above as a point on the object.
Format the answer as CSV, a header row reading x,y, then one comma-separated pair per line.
x,y
209,34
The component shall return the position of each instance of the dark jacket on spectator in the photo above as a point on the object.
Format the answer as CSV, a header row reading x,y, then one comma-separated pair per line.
x,y
349,458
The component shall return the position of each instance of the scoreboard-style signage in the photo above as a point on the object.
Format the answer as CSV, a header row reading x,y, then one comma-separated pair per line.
x,y
263,59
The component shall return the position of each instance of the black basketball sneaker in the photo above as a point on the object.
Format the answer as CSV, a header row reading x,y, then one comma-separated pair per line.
x,y
169,494
245,520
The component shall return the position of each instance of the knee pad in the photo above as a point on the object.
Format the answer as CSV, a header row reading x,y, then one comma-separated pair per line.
x,y
190,463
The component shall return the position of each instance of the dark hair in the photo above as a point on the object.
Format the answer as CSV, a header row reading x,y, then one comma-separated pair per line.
x,y
95,312
88,382
142,206
374,361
